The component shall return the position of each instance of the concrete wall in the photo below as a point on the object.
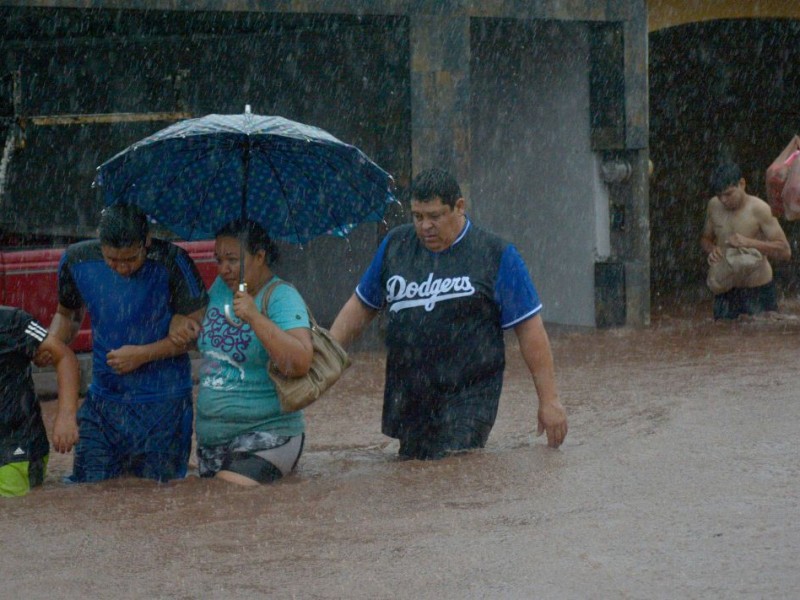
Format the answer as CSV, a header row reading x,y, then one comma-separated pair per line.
x,y
534,177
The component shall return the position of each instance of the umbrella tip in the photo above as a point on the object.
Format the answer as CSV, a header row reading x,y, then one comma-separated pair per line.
x,y
247,109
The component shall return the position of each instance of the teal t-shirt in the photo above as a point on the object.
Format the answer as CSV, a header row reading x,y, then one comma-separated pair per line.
x,y
236,395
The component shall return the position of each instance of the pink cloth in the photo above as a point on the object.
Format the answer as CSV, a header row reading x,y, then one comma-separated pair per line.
x,y
783,182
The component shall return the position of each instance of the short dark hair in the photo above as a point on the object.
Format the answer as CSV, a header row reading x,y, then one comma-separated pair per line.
x,y
725,176
123,225
253,236
433,183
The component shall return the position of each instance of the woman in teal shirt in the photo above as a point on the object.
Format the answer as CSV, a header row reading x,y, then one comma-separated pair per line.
x,y
242,434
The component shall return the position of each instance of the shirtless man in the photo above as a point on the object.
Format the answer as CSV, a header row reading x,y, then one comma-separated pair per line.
x,y
735,219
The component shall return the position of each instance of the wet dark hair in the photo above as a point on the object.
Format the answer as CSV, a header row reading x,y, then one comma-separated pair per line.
x,y
433,183
122,226
725,176
253,236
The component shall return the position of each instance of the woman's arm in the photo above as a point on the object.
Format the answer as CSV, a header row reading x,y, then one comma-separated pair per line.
x,y
291,351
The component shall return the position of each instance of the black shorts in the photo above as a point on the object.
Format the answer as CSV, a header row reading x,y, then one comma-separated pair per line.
x,y
433,441
436,425
258,455
745,301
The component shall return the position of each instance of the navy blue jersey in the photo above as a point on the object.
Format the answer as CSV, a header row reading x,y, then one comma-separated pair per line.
x,y
446,312
133,310
22,433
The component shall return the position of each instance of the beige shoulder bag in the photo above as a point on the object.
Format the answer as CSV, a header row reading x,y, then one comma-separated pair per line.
x,y
329,362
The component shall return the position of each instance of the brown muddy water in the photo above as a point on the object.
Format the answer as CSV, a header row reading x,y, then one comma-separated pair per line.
x,y
679,479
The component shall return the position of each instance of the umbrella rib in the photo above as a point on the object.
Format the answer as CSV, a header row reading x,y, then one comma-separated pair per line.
x,y
205,189
343,227
315,147
206,192
284,193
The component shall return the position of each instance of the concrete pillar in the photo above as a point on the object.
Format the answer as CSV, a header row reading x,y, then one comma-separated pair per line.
x,y
637,259
620,132
440,90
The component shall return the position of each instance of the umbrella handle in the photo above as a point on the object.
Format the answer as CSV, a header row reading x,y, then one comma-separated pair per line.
x,y
228,316
231,319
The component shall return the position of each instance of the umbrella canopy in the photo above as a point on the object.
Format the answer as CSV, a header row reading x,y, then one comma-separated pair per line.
x,y
296,180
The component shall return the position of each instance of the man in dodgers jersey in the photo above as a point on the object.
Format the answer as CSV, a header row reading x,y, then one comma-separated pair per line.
x,y
137,415
450,289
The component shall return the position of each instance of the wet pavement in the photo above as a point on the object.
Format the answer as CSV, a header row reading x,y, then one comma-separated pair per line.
x,y
679,479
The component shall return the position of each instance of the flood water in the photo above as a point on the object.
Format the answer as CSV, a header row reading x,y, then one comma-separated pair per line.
x,y
679,479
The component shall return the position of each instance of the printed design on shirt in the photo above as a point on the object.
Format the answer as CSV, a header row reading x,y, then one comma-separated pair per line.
x,y
218,371
232,340
402,294
36,331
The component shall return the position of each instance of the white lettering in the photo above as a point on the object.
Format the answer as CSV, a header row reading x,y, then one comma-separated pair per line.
x,y
395,288
407,294
425,288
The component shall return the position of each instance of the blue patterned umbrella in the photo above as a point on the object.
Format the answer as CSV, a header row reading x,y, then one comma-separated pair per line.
x,y
297,181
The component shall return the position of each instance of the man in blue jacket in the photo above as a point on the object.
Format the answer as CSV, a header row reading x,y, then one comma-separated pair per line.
x,y
137,416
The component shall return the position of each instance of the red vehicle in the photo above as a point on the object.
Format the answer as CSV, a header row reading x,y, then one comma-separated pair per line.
x,y
28,280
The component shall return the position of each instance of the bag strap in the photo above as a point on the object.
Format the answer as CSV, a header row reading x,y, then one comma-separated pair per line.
x,y
274,283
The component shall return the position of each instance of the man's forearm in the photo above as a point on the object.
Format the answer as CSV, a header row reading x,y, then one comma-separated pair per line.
x,y
127,359
351,321
544,379
163,348
775,250
707,245
130,357
535,348
68,378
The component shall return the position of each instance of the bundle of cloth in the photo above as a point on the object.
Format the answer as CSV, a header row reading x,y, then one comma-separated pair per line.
x,y
733,269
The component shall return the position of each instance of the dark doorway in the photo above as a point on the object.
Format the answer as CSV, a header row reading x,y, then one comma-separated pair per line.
x,y
719,90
